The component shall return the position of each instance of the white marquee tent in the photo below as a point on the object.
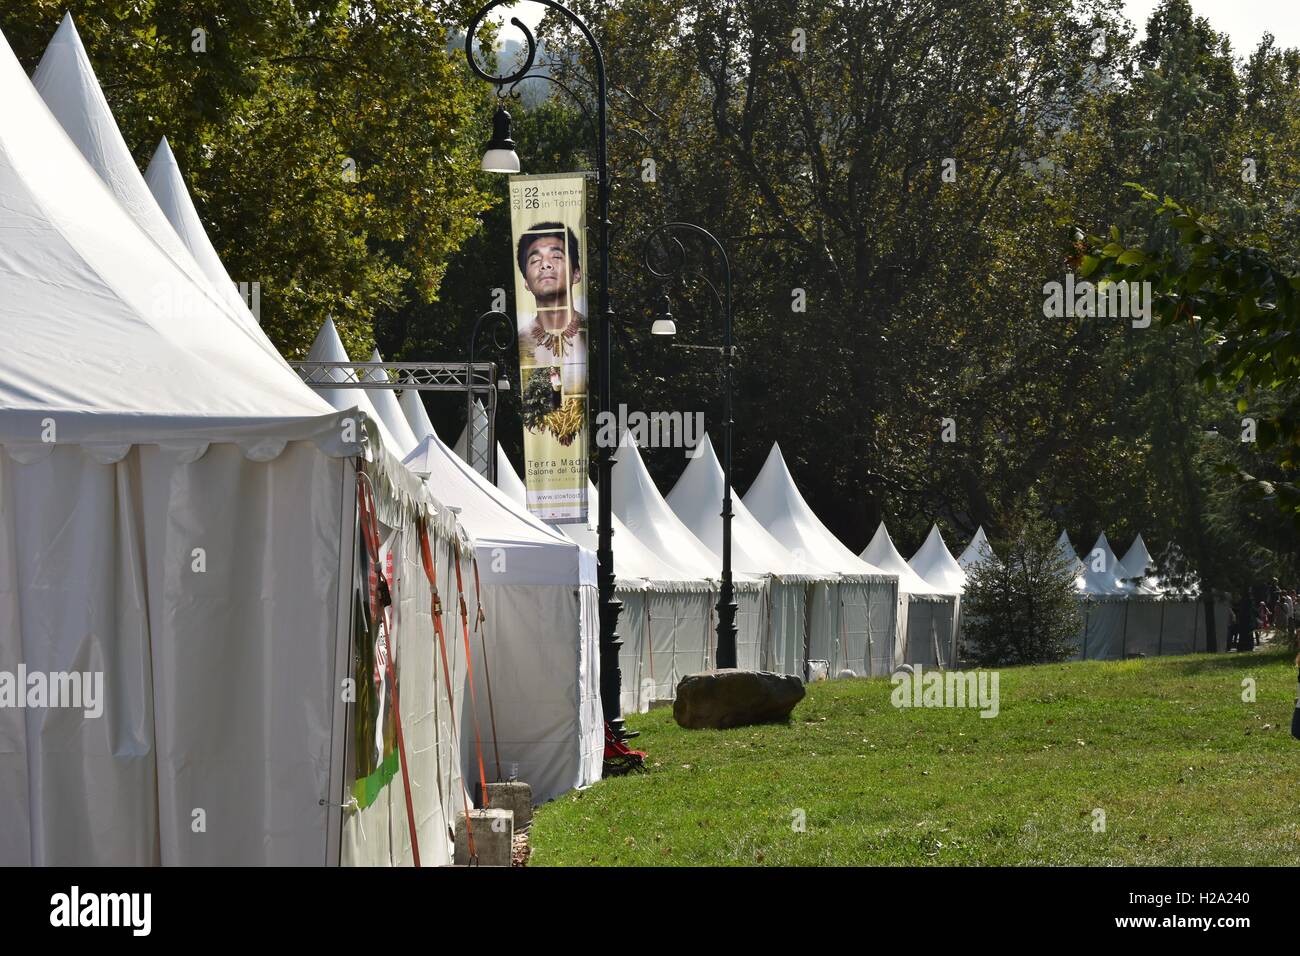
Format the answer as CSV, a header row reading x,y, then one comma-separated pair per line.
x,y
977,552
689,634
661,604
853,621
177,514
542,632
1127,612
927,619
667,623
696,499
936,566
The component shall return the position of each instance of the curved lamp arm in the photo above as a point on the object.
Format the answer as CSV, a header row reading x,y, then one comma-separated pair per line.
x,y
490,316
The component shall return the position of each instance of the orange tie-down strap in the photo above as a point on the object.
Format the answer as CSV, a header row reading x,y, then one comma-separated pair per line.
x,y
469,665
430,572
370,532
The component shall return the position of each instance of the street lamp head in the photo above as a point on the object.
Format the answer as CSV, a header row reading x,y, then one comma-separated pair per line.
x,y
664,324
500,156
503,384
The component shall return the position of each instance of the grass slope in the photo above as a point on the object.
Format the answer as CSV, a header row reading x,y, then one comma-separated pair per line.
x,y
1185,771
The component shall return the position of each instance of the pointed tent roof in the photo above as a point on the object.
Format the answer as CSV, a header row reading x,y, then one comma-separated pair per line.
x,y
385,403
696,499
641,507
1141,568
775,501
882,553
416,416
1137,560
328,347
935,565
67,82
1102,571
508,479
1070,557
102,326
167,185
537,553
977,552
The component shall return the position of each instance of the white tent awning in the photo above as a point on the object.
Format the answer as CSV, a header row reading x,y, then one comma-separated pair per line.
x,y
775,501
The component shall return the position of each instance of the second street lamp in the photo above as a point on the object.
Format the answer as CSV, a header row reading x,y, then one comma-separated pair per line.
x,y
667,235
498,157
503,384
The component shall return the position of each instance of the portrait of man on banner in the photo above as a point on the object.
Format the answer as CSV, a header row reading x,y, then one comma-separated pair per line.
x,y
548,226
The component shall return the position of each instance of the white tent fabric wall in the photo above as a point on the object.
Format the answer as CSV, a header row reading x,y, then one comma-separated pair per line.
x,y
172,434
647,516
850,617
539,598
696,499
67,83
1116,627
665,624
926,620
436,722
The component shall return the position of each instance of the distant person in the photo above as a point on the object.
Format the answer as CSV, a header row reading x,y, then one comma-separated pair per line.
x,y
1245,624
1295,718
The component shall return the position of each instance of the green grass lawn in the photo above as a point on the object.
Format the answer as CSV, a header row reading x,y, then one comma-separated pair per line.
x,y
1185,771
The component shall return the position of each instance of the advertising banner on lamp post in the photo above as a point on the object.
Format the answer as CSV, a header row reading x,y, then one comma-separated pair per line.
x,y
548,219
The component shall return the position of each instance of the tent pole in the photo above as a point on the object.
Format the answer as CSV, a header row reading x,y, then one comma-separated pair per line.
x,y
1087,616
342,711
1123,637
1160,635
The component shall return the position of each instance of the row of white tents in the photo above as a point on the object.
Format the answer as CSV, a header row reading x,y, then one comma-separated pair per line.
x,y
1129,610
179,512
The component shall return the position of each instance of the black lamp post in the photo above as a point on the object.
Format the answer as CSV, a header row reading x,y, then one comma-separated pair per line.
x,y
500,157
664,325
501,319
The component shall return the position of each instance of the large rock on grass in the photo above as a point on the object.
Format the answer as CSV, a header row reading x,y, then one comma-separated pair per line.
x,y
735,698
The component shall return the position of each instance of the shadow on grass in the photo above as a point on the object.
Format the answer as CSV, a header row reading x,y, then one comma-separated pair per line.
x,y
1206,663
